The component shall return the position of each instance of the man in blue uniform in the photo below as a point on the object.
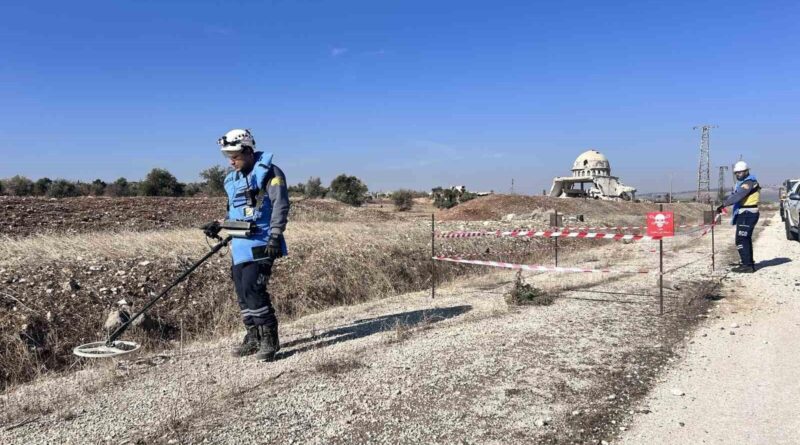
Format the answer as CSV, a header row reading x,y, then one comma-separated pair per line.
x,y
745,199
257,194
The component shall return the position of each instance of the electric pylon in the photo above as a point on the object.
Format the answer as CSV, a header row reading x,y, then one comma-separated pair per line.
x,y
704,170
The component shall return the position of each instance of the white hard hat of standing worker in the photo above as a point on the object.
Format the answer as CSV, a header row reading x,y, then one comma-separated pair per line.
x,y
235,141
740,167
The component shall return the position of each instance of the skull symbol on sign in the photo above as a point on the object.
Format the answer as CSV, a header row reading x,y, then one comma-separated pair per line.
x,y
661,220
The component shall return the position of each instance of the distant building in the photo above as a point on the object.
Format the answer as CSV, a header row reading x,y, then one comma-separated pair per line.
x,y
591,177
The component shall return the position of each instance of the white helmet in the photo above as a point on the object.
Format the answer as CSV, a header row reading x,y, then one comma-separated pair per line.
x,y
740,166
235,140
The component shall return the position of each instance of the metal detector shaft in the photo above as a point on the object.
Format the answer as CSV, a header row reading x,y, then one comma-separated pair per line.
x,y
120,330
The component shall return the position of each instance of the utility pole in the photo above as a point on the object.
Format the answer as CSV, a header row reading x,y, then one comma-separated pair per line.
x,y
670,189
704,170
721,192
512,186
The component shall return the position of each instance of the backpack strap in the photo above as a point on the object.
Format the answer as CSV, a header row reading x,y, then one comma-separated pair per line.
x,y
262,188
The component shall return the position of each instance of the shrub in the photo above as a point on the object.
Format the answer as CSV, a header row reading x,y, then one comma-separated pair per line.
x,y
82,188
314,188
403,200
523,293
19,186
61,188
466,196
160,182
447,198
299,189
349,190
193,188
214,183
2,188
41,186
98,187
444,198
118,188
134,187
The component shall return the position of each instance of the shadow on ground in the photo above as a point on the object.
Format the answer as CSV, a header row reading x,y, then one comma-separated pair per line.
x,y
366,327
773,262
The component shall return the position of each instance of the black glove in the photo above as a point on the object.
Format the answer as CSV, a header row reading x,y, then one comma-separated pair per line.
x,y
275,246
720,209
211,229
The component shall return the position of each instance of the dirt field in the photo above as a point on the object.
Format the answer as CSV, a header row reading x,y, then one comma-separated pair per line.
x,y
25,216
536,210
464,368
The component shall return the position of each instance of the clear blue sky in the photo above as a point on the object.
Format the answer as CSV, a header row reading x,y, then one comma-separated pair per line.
x,y
402,94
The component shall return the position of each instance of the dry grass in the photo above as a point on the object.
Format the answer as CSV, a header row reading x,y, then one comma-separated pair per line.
x,y
103,246
94,246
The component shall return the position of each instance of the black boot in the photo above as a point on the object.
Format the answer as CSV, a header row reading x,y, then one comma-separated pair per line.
x,y
269,344
744,269
249,343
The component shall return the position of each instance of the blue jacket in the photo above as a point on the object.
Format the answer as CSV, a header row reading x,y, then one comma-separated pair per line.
x,y
260,196
744,198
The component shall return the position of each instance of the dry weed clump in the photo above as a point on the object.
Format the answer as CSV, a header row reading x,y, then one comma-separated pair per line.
x,y
337,364
522,294
400,332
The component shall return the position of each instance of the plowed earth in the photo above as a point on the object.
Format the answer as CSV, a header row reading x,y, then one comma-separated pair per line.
x,y
25,216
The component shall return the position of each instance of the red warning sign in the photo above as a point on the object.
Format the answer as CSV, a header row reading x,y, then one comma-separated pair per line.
x,y
661,224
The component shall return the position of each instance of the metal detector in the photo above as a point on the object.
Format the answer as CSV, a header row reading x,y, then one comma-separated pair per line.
x,y
113,347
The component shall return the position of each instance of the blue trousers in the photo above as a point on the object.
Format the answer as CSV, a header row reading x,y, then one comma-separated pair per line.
x,y
250,280
745,225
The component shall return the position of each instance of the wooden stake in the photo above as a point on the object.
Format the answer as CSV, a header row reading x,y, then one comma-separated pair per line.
x,y
433,255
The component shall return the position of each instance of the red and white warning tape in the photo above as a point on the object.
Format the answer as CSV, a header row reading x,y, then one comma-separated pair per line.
x,y
550,234
572,232
536,268
586,229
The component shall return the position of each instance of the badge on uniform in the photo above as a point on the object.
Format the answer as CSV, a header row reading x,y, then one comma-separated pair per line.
x,y
248,212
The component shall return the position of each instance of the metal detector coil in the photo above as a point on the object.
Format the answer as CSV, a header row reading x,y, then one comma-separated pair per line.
x,y
102,349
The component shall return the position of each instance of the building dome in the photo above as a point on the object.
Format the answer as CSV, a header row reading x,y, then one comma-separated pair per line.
x,y
591,163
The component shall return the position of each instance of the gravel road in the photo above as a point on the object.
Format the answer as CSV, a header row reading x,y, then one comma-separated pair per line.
x,y
738,382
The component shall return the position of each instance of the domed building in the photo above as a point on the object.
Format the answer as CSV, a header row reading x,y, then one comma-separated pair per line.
x,y
591,177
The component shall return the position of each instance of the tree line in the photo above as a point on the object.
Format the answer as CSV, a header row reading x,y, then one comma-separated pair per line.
x,y
160,182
